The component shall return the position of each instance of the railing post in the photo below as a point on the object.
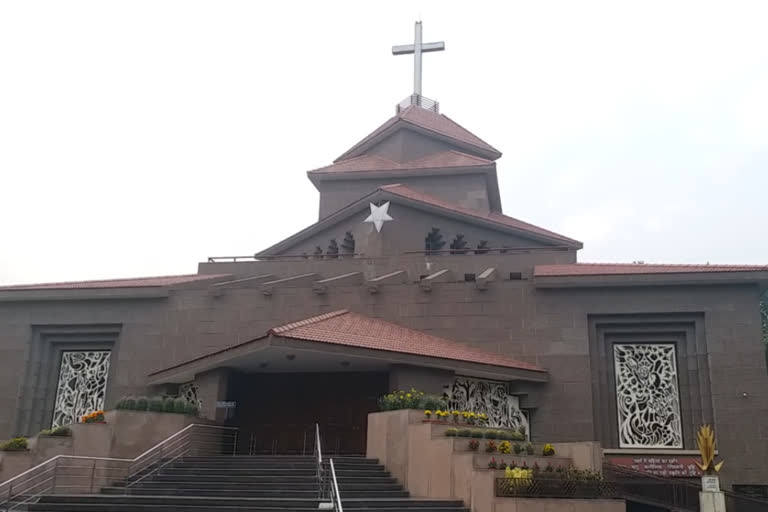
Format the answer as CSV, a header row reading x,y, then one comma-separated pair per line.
x,y
53,480
10,490
234,444
93,474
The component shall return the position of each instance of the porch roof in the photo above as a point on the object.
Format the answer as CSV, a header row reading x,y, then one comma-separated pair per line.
x,y
361,342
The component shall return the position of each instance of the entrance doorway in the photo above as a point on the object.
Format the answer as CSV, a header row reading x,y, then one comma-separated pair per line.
x,y
276,413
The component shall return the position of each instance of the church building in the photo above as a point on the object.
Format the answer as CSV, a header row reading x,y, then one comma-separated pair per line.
x,y
413,276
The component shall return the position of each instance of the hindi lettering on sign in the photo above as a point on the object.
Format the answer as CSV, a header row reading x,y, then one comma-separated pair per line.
x,y
667,466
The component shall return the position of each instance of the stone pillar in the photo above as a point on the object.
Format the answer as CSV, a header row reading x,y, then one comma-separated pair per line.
x,y
711,498
212,387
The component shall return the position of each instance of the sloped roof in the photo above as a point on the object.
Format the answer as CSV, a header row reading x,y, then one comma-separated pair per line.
x,y
133,282
343,327
495,217
409,196
364,163
428,120
607,269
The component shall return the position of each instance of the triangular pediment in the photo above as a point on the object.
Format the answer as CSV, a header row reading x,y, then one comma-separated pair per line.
x,y
415,215
416,132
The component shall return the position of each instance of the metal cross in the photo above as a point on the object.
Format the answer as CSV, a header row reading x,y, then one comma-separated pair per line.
x,y
417,48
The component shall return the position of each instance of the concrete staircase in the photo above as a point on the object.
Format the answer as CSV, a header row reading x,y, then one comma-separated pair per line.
x,y
259,483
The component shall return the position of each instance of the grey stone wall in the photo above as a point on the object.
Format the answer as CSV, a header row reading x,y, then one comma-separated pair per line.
x,y
549,327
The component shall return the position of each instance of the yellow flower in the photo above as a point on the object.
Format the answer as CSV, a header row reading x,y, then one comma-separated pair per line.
x,y
408,395
428,412
455,413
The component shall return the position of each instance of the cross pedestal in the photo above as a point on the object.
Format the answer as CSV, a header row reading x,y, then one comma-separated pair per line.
x,y
711,498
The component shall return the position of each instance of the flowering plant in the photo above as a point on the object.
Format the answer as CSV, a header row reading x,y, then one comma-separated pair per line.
x,y
492,464
428,413
548,450
474,444
505,447
410,399
490,446
518,474
94,417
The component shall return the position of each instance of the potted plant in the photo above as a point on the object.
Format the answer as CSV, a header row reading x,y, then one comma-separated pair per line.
x,y
474,444
490,446
548,450
94,417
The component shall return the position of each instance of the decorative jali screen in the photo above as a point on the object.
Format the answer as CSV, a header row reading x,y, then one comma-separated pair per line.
x,y
82,385
647,395
491,398
189,392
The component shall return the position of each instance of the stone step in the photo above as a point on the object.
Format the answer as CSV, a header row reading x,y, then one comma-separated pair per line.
x,y
302,485
75,506
272,464
251,493
280,458
147,503
378,478
267,471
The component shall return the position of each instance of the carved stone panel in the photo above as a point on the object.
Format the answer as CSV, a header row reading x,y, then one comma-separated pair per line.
x,y
647,395
82,385
491,398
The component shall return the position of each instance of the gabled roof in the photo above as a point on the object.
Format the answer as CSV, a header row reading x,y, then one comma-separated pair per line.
x,y
369,163
343,327
424,120
611,269
409,197
344,335
133,282
494,217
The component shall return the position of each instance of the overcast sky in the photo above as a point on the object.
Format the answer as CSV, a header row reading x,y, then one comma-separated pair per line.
x,y
140,137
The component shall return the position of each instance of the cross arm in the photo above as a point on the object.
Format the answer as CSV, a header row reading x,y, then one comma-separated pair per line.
x,y
403,49
433,47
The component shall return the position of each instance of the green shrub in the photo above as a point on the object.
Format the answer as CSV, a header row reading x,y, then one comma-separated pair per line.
x,y
516,436
523,432
192,409
17,444
180,406
489,433
168,405
517,448
142,404
451,432
62,431
529,449
465,432
477,433
156,404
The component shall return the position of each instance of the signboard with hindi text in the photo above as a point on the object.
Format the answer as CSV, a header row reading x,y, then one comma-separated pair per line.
x,y
659,465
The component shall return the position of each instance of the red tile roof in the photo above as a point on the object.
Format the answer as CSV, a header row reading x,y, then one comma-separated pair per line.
x,y
495,217
444,125
445,159
607,269
134,282
353,330
428,120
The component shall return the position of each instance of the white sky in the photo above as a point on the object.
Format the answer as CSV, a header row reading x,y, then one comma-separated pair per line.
x,y
140,137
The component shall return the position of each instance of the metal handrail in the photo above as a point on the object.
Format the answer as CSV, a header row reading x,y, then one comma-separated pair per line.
x,y
26,485
335,495
318,454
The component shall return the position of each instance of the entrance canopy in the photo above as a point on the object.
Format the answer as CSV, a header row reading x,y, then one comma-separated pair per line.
x,y
346,341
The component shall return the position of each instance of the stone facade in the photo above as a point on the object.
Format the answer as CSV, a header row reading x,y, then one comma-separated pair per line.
x,y
567,325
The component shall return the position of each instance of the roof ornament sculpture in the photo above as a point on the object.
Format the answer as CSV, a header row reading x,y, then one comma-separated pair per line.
x,y
379,215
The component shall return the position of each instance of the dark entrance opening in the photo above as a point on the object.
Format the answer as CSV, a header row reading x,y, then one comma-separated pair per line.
x,y
276,413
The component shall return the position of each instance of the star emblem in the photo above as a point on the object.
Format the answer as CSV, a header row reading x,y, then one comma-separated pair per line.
x,y
379,215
